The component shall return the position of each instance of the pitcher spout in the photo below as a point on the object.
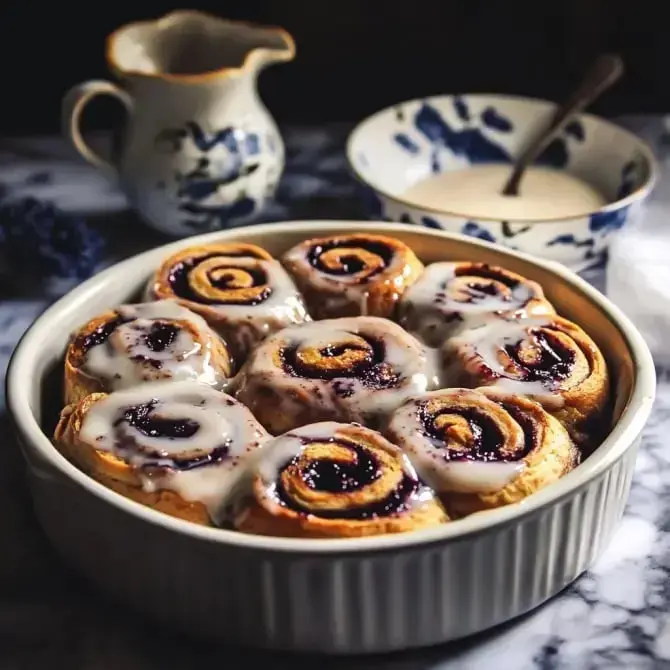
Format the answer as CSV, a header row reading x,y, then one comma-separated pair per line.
x,y
189,45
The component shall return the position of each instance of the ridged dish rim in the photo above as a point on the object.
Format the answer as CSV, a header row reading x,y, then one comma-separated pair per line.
x,y
633,417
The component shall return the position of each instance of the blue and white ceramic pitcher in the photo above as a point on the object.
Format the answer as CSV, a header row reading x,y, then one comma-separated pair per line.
x,y
200,150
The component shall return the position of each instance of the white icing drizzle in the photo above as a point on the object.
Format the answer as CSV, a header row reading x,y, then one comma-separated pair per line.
x,y
481,347
433,310
219,421
466,476
248,324
346,397
284,304
125,360
280,451
342,290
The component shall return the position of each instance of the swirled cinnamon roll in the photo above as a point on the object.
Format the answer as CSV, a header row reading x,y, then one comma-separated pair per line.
x,y
348,275
329,480
350,369
179,447
482,450
237,288
549,359
133,344
450,296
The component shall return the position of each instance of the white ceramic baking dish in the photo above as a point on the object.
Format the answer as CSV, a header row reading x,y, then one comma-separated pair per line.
x,y
340,596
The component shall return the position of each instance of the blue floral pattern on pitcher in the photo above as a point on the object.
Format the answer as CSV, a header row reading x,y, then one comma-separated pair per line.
x,y
197,153
196,187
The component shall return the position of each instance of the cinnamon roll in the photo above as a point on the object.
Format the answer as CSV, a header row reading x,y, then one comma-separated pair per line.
x,y
348,275
482,450
330,480
133,344
449,296
237,288
179,447
549,359
350,369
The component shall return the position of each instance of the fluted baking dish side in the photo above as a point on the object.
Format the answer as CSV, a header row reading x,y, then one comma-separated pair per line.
x,y
341,596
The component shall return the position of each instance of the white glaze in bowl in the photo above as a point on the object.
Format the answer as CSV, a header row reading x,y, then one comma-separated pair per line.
x,y
341,596
397,147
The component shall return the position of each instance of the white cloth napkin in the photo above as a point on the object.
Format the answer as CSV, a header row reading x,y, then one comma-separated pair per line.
x,y
638,272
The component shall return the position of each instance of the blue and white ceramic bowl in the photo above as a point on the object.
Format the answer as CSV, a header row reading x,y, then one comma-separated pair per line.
x,y
401,145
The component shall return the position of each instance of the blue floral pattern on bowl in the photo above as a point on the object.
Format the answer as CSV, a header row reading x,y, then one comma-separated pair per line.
x,y
395,148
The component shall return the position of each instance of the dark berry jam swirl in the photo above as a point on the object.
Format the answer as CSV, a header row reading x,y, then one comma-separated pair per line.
x,y
146,420
353,256
472,284
541,356
101,334
157,337
161,335
362,358
468,434
341,476
225,282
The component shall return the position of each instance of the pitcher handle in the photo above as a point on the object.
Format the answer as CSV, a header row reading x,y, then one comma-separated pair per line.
x,y
74,103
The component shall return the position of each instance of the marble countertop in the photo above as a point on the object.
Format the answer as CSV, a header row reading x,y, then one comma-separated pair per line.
x,y
615,616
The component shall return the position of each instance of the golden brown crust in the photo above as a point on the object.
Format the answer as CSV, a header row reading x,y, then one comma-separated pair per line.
x,y
354,369
379,282
161,287
504,281
78,383
462,420
114,473
554,456
317,517
586,404
239,289
281,409
258,520
582,394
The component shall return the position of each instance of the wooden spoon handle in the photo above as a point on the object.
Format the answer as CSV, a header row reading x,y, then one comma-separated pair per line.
x,y
607,69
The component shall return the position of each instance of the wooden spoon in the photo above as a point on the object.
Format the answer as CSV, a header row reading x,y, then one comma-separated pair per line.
x,y
606,70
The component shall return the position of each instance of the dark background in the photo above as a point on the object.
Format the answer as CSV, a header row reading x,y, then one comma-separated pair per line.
x,y
355,56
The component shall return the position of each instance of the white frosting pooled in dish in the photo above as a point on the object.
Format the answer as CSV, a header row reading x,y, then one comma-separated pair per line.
x,y
179,436
428,454
128,357
442,302
397,366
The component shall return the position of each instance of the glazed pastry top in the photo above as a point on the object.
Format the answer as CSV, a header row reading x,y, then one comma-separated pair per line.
x,y
337,470
450,296
367,363
452,326
178,435
367,271
350,259
232,283
465,441
147,342
538,356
